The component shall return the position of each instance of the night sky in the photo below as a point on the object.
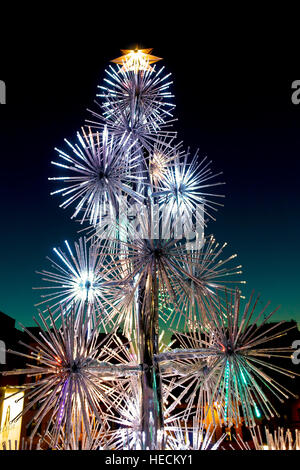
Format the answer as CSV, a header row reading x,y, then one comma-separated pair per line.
x,y
236,110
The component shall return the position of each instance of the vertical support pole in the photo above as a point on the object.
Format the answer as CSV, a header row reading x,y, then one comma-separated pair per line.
x,y
152,425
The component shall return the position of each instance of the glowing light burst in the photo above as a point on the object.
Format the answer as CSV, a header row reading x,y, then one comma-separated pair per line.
x,y
161,159
79,277
76,374
143,94
187,279
104,170
231,356
118,358
140,256
244,353
183,191
136,103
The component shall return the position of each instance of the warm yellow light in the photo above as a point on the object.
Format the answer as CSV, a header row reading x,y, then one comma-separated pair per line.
x,y
158,167
12,406
136,59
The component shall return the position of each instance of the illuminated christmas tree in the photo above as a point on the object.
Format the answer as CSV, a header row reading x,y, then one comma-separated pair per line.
x,y
145,268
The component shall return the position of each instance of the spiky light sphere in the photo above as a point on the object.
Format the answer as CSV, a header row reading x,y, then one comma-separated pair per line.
x,y
214,275
141,256
161,158
246,358
233,353
76,374
137,94
136,104
103,170
79,276
186,278
183,192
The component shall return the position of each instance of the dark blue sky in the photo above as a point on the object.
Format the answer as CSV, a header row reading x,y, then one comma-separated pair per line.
x,y
234,108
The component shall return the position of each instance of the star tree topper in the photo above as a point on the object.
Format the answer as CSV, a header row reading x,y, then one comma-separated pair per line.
x,y
136,59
